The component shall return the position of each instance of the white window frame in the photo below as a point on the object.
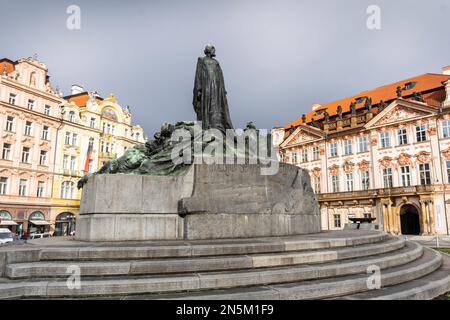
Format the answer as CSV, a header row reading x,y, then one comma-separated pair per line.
x,y
6,151
12,99
365,180
349,182
40,189
348,147
402,137
425,173
43,158
421,133
26,152
333,150
23,184
363,144
3,185
388,181
9,123
405,176
385,139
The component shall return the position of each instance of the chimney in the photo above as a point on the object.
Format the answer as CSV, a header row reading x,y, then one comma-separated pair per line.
x,y
446,70
316,106
76,89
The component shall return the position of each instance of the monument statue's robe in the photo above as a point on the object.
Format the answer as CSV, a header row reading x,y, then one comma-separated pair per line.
x,y
210,100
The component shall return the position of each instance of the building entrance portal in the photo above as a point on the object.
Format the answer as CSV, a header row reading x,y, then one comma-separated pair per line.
x,y
409,218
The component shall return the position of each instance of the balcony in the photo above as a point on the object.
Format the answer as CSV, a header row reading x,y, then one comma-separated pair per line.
x,y
376,193
108,155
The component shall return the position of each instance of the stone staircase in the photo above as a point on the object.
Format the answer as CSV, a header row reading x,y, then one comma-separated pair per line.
x,y
329,265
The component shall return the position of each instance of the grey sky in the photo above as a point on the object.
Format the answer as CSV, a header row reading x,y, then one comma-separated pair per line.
x,y
278,57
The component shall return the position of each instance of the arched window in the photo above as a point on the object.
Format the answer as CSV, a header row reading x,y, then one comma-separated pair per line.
x,y
37,215
137,136
72,116
67,190
5,215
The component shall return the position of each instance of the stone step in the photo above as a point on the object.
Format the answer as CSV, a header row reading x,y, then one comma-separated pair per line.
x,y
135,250
132,285
198,264
428,287
314,289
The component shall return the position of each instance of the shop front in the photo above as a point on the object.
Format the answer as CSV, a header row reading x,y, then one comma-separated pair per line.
x,y
6,221
65,224
37,223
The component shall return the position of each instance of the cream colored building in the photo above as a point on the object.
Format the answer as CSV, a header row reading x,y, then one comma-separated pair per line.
x,y
382,153
44,139
87,119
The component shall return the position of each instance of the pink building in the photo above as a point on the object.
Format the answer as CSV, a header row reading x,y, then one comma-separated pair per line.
x,y
29,121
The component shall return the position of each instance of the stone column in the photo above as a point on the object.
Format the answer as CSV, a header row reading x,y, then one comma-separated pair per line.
x,y
385,217
392,228
423,215
432,214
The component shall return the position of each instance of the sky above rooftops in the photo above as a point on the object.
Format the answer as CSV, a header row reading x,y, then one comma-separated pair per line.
x,y
278,57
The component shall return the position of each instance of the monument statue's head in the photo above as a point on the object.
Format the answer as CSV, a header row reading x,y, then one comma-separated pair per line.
x,y
210,50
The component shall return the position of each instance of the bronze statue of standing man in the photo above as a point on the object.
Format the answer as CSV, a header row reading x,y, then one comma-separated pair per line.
x,y
210,97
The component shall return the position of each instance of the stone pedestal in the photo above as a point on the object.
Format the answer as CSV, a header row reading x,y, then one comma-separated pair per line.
x,y
207,202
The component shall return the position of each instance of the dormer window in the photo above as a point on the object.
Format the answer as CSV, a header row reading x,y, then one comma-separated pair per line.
x,y
410,85
72,116
360,100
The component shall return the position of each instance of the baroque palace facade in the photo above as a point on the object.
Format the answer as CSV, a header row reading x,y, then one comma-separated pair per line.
x,y
383,153
48,142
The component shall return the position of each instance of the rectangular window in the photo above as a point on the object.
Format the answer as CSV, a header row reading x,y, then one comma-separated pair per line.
x,y
363,144
30,104
421,133
66,162
73,161
305,155
74,139
337,220
92,123
43,158
402,137
3,185
9,123
6,153
103,127
335,183
348,147
349,182
25,154
387,178
12,98
333,149
45,132
23,187
367,215
446,128
448,171
47,109
425,174
317,184
67,138
294,154
40,189
28,125
385,140
405,174
365,180
316,153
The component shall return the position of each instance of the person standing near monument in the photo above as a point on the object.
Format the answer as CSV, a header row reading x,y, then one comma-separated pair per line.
x,y
210,100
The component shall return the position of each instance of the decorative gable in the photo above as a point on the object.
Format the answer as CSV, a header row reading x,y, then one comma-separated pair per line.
x,y
300,136
400,111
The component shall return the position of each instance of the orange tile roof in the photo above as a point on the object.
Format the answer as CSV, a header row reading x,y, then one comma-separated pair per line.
x,y
81,99
8,64
424,82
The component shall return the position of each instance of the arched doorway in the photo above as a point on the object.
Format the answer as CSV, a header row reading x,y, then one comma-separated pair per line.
x,y
409,219
65,224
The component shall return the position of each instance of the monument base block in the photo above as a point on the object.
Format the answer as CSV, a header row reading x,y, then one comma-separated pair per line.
x,y
206,202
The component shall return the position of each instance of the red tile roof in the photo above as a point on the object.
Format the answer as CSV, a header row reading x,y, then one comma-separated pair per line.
x,y
424,83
